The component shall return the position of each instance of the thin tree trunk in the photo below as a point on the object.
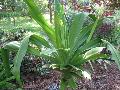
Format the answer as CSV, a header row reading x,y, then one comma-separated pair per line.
x,y
50,9
13,9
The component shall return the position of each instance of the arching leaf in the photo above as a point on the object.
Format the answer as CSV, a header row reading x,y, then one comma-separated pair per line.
x,y
114,53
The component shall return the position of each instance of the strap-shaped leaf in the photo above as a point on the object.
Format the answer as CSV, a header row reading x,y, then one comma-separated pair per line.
x,y
35,39
19,57
97,56
38,40
63,56
39,18
60,24
114,53
77,60
93,51
14,46
76,26
83,35
88,45
21,53
48,52
97,23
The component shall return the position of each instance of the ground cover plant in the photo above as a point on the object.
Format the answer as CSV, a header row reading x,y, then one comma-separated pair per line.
x,y
67,47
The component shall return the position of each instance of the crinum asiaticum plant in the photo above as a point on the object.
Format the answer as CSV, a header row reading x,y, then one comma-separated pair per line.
x,y
68,48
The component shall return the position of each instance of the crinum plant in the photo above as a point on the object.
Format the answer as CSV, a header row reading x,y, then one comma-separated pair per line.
x,y
68,47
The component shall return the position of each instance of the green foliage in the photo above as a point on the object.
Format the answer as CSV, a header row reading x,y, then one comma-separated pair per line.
x,y
19,57
115,54
34,11
21,23
6,84
67,47
5,59
5,71
116,33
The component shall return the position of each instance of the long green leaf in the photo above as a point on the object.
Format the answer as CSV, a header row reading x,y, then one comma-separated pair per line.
x,y
39,18
23,48
38,40
77,23
93,51
19,57
115,54
63,56
88,45
97,56
97,23
77,60
14,46
58,22
83,35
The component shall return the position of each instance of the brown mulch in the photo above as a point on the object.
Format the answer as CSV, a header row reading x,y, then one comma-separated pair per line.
x,y
104,77
34,82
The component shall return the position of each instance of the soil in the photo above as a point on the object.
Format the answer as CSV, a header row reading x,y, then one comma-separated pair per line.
x,y
105,76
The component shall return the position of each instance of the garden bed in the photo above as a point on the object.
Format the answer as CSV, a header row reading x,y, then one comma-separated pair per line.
x,y
104,77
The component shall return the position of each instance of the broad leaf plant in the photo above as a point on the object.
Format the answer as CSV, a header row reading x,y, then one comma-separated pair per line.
x,y
68,47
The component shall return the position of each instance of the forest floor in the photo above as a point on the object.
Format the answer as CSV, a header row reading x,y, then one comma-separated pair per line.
x,y
105,76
